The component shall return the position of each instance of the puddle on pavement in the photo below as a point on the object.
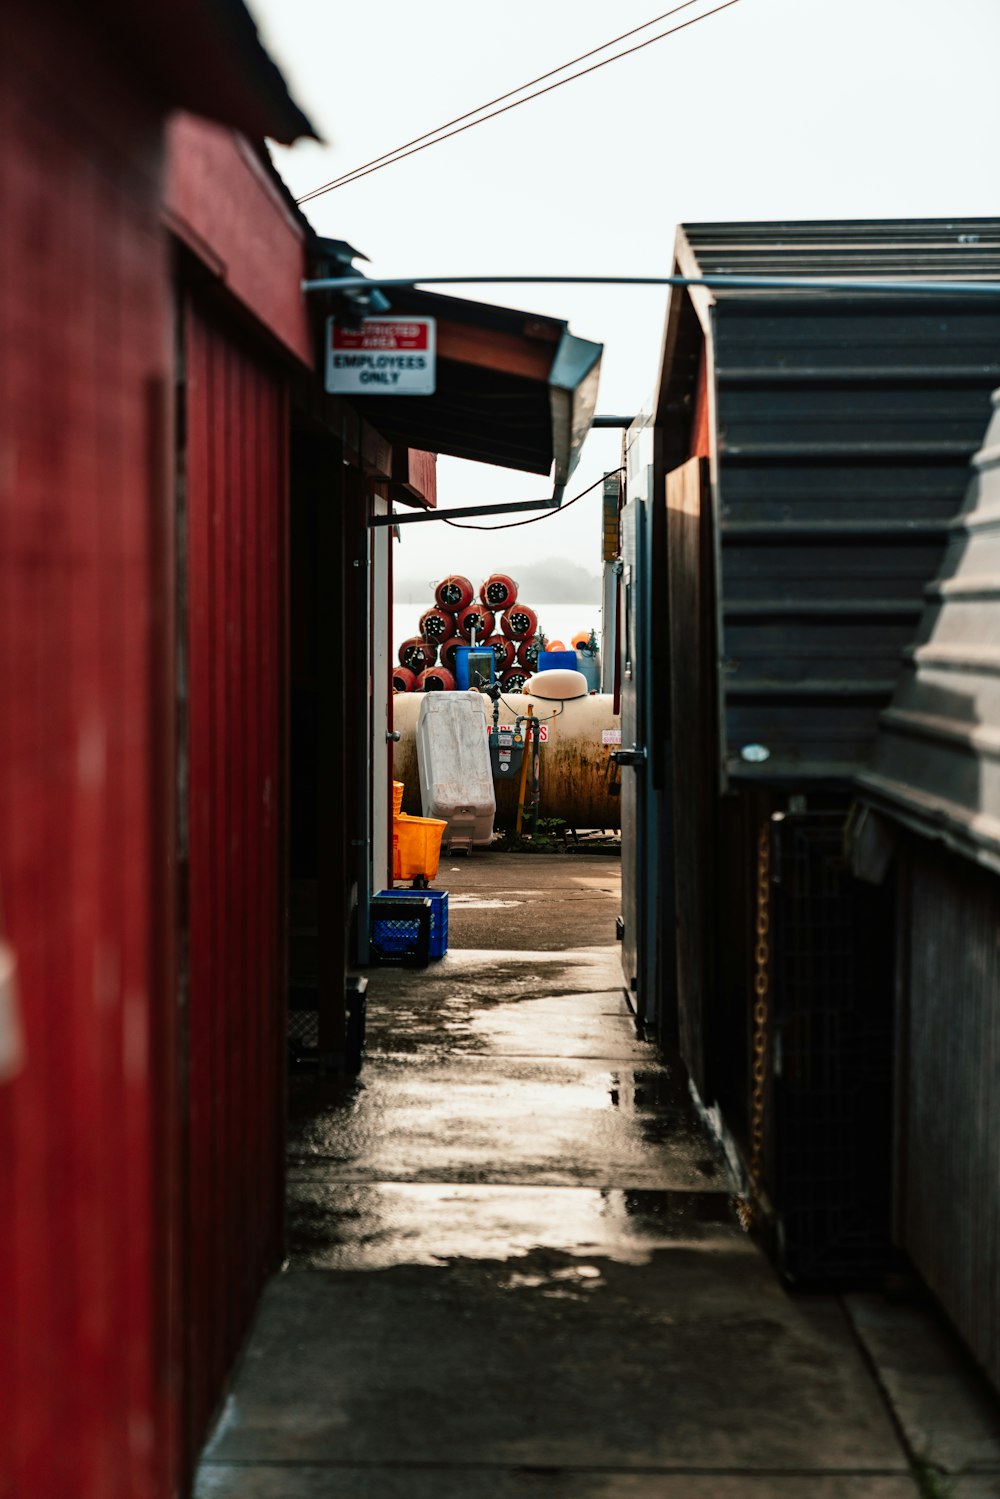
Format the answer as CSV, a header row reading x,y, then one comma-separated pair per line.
x,y
481,903
442,1116
366,1226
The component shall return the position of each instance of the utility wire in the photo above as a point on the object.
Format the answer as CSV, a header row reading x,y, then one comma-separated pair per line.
x,y
546,514
500,98
392,159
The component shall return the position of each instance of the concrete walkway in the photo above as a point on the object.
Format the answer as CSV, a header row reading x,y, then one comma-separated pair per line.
x,y
514,1268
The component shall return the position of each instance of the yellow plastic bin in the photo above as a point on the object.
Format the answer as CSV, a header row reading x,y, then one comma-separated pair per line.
x,y
416,846
397,798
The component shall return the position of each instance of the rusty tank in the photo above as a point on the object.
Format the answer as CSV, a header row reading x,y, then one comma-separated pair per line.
x,y
580,783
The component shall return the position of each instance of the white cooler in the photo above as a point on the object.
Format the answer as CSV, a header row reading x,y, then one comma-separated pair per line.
x,y
456,778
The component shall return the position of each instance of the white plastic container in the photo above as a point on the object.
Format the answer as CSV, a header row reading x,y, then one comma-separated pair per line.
x,y
453,755
559,684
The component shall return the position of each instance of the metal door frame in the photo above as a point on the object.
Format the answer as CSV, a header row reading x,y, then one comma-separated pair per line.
x,y
642,861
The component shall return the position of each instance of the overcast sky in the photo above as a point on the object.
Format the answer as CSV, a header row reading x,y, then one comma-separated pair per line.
x,y
771,109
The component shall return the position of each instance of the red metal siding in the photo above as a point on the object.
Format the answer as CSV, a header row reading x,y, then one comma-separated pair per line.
x,y
221,202
235,469
83,819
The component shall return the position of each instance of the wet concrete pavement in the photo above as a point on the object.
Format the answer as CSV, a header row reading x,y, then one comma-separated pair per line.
x,y
514,1266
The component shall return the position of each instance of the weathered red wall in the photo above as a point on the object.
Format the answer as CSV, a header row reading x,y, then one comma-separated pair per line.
x,y
86,1151
235,479
221,201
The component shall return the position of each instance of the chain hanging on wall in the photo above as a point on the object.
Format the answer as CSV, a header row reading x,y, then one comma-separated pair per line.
x,y
749,1208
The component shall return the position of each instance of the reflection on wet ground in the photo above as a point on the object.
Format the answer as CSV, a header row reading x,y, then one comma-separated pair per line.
x,y
514,1265
465,1085
371,1225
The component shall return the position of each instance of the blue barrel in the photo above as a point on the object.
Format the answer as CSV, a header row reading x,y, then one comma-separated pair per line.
x,y
590,665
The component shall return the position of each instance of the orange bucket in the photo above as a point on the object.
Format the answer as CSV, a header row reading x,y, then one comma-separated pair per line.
x,y
416,846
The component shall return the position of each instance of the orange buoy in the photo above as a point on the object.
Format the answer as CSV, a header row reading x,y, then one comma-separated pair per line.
x,y
475,617
417,653
436,625
503,652
519,623
403,679
514,680
448,651
527,654
435,679
498,592
454,593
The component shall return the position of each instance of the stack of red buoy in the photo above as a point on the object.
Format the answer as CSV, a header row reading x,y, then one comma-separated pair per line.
x,y
497,619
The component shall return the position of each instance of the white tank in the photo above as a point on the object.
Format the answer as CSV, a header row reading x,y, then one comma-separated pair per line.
x,y
453,758
580,782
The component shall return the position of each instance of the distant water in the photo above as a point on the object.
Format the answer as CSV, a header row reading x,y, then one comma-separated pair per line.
x,y
558,621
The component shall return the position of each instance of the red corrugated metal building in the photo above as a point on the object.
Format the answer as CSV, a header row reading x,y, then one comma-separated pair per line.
x,y
118,1326
194,668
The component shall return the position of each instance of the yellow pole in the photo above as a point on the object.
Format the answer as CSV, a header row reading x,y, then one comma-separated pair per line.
x,y
524,776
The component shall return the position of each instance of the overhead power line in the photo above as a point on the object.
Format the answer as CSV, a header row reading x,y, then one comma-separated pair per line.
x,y
422,143
547,515
377,160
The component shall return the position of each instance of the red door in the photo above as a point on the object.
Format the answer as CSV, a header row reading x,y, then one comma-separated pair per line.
x,y
234,500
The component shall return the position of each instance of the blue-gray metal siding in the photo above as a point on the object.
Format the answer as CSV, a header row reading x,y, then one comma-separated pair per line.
x,y
948,1110
842,434
842,427
936,764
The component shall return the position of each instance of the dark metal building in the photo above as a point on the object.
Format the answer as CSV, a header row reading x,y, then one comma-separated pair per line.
x,y
932,788
811,449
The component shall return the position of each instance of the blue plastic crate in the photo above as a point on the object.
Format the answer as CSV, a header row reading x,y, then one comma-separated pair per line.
x,y
439,915
400,929
557,660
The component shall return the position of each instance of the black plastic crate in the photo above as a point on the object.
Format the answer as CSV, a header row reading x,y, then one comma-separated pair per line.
x,y
303,1027
832,1030
400,931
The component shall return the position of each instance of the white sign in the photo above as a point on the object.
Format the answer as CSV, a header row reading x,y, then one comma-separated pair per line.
x,y
386,356
543,730
611,736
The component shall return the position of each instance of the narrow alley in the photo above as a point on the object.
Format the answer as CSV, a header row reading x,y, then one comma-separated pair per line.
x,y
515,1267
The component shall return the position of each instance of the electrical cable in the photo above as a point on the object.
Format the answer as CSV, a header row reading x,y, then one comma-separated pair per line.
x,y
546,514
377,160
367,171
511,709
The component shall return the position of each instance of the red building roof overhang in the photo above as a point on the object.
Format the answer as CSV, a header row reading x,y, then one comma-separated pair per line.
x,y
205,56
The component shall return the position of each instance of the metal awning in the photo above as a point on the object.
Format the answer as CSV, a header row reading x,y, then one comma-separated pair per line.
x,y
514,389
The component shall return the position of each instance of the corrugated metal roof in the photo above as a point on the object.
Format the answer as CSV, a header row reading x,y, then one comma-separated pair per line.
x,y
843,427
936,763
958,249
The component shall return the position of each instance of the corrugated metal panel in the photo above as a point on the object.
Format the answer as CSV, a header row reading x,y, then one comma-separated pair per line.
x,y
937,760
236,506
948,1209
843,427
224,205
842,247
83,821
